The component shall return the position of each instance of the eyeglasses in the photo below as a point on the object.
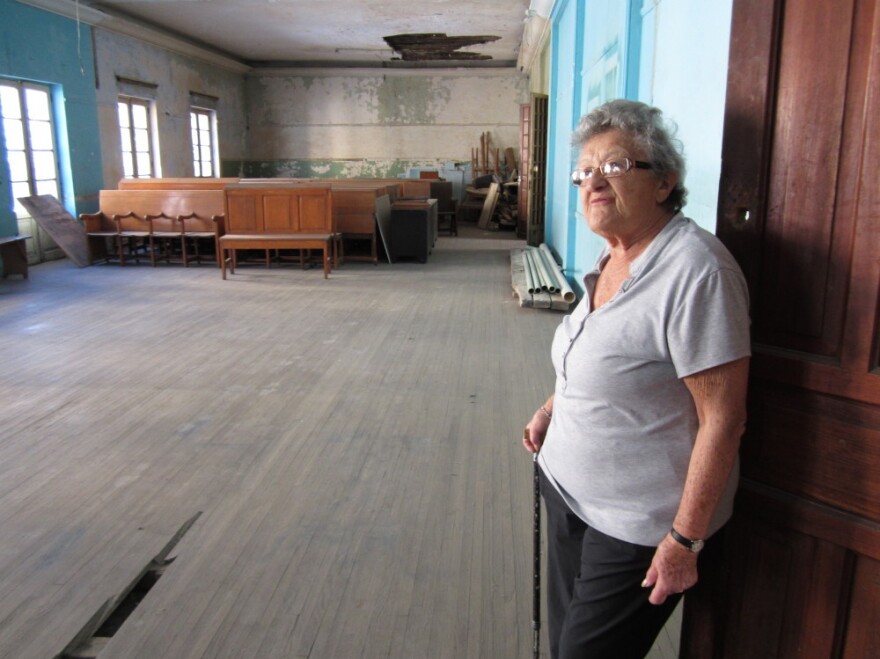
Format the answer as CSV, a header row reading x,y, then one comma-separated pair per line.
x,y
608,169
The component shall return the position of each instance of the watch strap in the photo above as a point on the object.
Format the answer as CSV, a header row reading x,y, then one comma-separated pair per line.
x,y
690,545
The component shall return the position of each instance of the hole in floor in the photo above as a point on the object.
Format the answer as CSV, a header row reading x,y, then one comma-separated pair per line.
x,y
109,618
127,606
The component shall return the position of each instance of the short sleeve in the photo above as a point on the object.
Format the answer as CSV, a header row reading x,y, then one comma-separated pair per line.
x,y
710,326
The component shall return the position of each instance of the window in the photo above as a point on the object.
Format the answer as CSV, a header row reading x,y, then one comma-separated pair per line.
x,y
30,140
603,80
137,137
202,126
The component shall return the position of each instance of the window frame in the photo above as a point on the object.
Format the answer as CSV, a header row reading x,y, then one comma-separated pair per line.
x,y
35,184
130,102
196,138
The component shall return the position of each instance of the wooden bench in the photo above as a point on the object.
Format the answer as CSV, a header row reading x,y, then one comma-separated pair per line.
x,y
14,255
354,205
136,220
269,241
279,216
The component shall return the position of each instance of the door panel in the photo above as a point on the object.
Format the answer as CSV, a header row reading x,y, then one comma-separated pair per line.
x,y
863,634
799,207
796,617
525,157
538,171
816,446
802,256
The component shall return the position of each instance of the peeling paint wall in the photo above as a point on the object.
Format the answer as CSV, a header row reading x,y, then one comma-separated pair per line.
x,y
364,124
355,168
173,76
539,76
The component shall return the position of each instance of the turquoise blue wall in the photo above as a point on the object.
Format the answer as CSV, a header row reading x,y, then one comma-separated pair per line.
x,y
46,48
602,60
669,53
560,225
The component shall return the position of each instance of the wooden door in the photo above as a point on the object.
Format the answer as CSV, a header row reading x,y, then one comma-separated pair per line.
x,y
525,156
798,572
537,189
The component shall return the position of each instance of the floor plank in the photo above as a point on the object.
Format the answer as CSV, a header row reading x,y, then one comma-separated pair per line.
x,y
352,445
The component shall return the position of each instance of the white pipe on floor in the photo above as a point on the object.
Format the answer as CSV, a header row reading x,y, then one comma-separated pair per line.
x,y
564,289
536,282
548,279
533,281
530,274
536,275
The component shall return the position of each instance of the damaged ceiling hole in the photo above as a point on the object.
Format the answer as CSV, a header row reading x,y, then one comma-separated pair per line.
x,y
436,46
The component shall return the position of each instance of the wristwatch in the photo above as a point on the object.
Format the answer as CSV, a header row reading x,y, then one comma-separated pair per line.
x,y
691,545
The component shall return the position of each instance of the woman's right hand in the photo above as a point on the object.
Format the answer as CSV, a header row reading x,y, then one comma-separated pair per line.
x,y
534,432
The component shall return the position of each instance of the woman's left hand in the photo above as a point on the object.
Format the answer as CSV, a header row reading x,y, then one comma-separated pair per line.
x,y
673,571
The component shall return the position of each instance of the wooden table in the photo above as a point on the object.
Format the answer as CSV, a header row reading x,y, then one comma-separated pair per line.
x,y
14,255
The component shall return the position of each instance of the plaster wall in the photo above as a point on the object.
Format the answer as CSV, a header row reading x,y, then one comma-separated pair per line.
x,y
539,76
170,78
694,36
356,124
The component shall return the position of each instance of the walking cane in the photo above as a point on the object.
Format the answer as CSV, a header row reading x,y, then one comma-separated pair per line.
x,y
536,565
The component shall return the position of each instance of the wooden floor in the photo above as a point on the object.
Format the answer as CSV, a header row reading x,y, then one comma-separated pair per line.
x,y
347,448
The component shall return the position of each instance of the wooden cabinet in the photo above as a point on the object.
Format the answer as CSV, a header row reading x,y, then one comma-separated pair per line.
x,y
278,209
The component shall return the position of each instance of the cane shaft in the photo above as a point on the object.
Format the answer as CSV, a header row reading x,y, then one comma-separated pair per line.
x,y
536,561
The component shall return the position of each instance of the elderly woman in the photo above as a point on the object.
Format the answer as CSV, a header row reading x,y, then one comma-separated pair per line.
x,y
639,441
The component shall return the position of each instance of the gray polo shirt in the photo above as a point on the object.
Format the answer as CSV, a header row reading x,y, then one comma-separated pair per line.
x,y
624,424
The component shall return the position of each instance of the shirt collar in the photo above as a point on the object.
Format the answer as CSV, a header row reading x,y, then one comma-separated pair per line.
x,y
646,257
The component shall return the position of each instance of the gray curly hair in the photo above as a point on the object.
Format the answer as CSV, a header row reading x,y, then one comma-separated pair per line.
x,y
646,126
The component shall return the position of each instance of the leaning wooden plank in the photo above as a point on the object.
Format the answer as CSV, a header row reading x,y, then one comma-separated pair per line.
x,y
510,160
63,228
488,206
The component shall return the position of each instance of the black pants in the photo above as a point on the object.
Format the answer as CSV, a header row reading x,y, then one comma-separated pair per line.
x,y
597,608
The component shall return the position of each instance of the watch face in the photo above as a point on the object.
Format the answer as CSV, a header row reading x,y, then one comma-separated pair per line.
x,y
697,545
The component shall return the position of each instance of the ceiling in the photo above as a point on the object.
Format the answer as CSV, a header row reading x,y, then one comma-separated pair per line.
x,y
338,32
